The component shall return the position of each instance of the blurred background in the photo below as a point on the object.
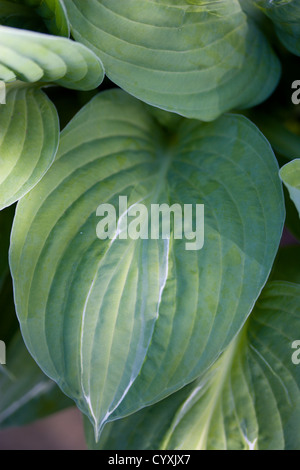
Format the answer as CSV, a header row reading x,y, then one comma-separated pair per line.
x,y
62,431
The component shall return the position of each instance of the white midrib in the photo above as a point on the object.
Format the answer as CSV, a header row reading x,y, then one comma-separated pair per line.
x,y
165,157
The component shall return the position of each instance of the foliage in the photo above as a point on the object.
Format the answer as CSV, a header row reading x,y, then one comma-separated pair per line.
x,y
160,346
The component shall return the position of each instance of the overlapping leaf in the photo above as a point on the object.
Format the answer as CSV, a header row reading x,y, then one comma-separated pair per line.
x,y
286,16
26,393
290,175
195,58
121,324
31,116
250,399
34,14
32,57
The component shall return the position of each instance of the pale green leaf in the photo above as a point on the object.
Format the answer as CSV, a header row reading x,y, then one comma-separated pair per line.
x,y
32,57
250,398
32,14
192,57
286,16
290,175
31,116
121,324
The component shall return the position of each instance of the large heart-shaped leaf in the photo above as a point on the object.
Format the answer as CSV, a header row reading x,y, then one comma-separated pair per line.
x,y
122,323
286,16
31,116
32,57
186,56
31,14
250,398
290,175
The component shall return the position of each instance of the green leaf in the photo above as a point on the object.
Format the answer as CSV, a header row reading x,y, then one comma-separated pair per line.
x,y
286,266
121,324
190,57
26,393
31,116
286,16
290,175
32,57
30,14
250,398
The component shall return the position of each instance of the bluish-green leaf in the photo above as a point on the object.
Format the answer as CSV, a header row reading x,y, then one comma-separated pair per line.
x,y
191,57
32,57
121,324
29,134
286,16
250,399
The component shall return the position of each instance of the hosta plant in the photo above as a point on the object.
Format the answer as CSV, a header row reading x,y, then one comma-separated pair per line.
x,y
172,336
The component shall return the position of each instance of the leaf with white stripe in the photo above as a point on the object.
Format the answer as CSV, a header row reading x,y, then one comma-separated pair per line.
x,y
249,399
194,58
32,57
30,115
122,323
